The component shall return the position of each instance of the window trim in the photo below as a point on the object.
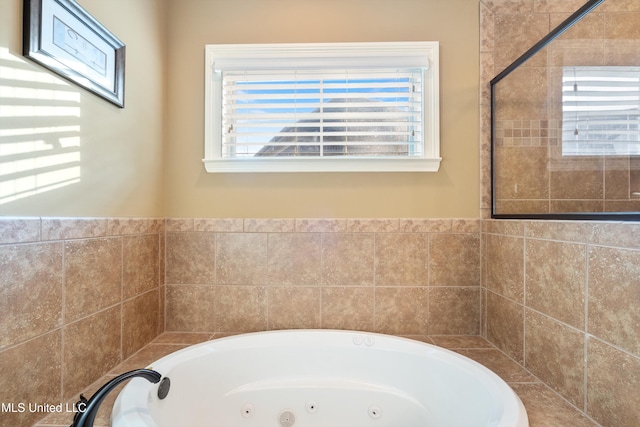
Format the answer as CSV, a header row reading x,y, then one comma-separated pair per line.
x,y
281,56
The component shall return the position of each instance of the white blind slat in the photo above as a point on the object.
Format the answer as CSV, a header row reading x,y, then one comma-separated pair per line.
x,y
401,83
325,144
601,110
306,125
339,117
328,113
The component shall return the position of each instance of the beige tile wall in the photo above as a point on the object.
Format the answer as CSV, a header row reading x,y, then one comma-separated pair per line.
x,y
563,299
398,276
77,296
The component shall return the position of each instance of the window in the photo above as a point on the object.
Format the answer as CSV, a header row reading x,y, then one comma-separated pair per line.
x,y
600,111
322,107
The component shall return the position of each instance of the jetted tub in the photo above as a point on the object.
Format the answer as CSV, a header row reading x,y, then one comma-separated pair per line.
x,y
317,378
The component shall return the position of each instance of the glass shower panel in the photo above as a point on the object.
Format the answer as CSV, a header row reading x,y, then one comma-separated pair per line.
x,y
566,122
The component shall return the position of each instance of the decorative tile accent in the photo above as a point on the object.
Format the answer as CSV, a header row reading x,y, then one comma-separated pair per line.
x,y
463,225
370,225
220,225
411,225
123,226
321,225
73,228
180,224
19,230
269,225
510,6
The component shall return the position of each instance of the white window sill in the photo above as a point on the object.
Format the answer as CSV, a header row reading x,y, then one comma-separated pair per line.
x,y
297,164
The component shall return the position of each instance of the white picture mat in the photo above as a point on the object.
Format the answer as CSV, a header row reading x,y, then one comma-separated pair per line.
x,y
86,52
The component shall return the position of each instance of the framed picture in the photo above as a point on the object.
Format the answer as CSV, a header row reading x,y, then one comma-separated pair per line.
x,y
65,38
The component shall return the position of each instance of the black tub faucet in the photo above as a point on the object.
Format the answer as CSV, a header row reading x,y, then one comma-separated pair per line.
x,y
87,409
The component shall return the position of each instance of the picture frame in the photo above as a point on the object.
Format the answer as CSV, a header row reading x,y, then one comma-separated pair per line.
x,y
63,37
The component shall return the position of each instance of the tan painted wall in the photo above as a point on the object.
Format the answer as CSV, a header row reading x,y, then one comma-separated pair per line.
x,y
121,151
451,192
117,153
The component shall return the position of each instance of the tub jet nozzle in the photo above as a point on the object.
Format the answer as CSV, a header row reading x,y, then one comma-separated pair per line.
x,y
287,418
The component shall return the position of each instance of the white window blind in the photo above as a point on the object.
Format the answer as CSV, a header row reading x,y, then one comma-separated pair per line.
x,y
348,113
322,107
600,111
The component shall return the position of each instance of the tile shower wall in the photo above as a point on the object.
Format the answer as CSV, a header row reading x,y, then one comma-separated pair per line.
x,y
563,300
77,296
534,176
385,275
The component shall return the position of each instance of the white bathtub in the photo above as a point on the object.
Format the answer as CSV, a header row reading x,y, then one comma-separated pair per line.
x,y
303,378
